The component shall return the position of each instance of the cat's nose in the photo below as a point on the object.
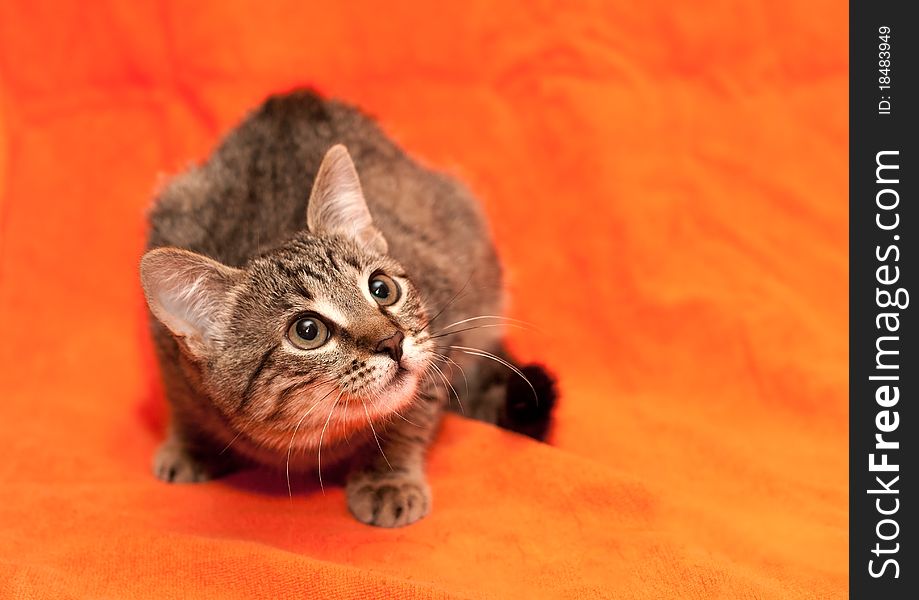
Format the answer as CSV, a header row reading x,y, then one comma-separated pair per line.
x,y
392,346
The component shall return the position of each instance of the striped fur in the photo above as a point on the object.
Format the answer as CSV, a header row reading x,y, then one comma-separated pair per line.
x,y
232,264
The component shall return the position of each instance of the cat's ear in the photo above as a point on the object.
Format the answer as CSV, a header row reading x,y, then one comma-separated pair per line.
x,y
337,205
187,292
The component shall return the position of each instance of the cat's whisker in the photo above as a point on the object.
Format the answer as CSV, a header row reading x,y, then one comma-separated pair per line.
x,y
322,435
374,431
446,381
452,300
498,359
435,381
294,434
506,320
373,397
430,376
442,376
442,333
447,359
227,447
401,416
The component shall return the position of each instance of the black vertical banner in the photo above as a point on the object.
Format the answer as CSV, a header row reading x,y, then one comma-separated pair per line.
x,y
884,365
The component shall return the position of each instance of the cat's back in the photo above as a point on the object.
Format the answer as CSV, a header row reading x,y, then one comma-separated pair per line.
x,y
251,194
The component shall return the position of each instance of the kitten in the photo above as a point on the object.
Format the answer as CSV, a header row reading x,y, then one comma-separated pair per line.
x,y
307,317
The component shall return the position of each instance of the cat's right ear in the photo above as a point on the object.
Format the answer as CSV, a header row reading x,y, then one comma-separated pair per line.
x,y
187,292
337,205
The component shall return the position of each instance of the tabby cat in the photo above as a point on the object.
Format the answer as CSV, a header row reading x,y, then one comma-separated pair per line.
x,y
307,317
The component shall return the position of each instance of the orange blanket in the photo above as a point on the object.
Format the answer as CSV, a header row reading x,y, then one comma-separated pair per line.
x,y
667,187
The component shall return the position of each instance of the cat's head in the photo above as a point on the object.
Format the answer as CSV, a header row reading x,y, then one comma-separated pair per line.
x,y
326,323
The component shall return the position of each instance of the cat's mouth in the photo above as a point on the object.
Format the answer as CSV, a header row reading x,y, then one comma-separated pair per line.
x,y
398,385
375,392
391,394
401,373
333,413
401,377
408,370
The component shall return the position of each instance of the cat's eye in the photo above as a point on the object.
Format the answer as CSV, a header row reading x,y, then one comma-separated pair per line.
x,y
308,333
384,290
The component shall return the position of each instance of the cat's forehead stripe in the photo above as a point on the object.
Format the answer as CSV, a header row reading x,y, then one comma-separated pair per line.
x,y
331,258
295,274
314,274
352,261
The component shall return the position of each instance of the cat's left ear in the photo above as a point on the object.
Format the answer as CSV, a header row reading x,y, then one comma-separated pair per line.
x,y
187,293
337,205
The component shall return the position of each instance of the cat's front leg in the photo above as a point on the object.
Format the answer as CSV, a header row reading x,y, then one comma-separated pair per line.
x,y
184,458
389,488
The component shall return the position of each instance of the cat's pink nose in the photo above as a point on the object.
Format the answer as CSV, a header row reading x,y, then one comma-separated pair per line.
x,y
392,345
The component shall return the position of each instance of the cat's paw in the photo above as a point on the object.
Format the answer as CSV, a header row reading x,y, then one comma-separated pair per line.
x,y
172,463
389,501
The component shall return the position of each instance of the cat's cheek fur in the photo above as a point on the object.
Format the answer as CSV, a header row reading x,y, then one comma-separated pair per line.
x,y
416,357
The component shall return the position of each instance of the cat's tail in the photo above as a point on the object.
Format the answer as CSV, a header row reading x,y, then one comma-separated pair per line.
x,y
516,397
528,410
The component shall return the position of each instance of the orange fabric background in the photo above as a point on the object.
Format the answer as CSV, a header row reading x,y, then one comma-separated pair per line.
x,y
667,184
